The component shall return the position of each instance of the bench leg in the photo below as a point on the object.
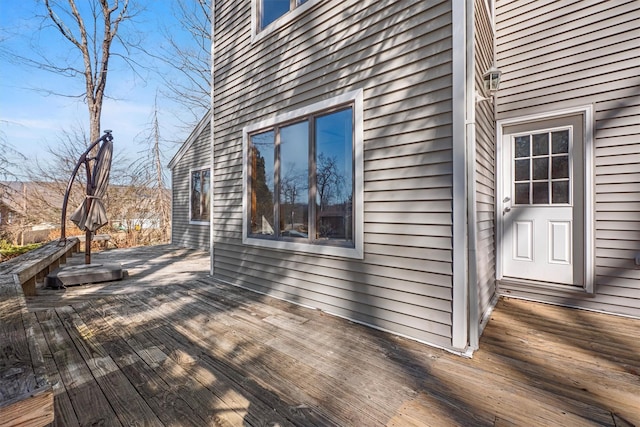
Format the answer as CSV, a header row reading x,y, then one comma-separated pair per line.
x,y
29,287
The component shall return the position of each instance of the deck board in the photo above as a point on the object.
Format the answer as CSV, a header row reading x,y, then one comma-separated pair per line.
x,y
171,346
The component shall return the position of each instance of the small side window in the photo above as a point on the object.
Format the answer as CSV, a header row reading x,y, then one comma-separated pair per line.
x,y
200,198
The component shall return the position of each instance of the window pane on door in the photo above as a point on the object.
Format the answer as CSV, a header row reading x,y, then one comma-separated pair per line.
x,y
522,146
540,193
560,192
522,170
560,142
541,168
522,194
560,167
540,144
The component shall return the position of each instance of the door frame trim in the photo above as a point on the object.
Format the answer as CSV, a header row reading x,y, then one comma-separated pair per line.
x,y
589,188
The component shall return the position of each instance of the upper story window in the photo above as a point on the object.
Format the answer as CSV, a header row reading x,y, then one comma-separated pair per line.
x,y
303,179
200,199
270,10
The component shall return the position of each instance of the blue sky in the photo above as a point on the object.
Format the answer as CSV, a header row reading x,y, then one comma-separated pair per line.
x,y
32,120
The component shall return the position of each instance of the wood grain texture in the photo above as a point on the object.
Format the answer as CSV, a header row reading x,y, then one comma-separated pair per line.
x,y
26,397
193,351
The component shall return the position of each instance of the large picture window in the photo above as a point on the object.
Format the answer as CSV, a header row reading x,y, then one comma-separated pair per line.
x,y
303,179
200,200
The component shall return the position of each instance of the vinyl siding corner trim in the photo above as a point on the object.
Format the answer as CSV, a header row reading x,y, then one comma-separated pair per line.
x,y
462,37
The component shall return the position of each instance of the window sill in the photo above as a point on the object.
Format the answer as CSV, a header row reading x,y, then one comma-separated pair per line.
x,y
324,249
198,222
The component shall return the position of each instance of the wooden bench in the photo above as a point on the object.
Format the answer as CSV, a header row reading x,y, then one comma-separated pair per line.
x,y
31,267
26,397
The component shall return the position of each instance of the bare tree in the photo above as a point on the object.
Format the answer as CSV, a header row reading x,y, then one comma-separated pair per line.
x,y
190,57
329,180
93,41
148,178
10,158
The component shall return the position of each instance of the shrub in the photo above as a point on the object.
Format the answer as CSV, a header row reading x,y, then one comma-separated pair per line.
x,y
8,250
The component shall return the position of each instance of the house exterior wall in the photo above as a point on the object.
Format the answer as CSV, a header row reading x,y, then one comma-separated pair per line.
x,y
399,54
556,57
485,164
198,156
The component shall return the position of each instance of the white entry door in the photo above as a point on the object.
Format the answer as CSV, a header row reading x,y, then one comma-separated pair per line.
x,y
538,190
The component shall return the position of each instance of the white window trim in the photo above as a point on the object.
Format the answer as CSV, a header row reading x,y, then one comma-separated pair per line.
x,y
357,252
191,171
287,18
589,186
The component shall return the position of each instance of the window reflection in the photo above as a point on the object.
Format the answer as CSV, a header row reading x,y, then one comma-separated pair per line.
x,y
200,198
311,174
262,182
272,10
560,167
522,146
334,176
541,168
294,180
522,194
522,170
196,192
560,142
540,144
560,192
540,193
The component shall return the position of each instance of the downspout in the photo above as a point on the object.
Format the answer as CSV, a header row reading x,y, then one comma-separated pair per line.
x,y
213,175
472,213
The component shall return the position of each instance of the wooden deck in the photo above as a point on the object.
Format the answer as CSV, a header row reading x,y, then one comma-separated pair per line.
x,y
169,346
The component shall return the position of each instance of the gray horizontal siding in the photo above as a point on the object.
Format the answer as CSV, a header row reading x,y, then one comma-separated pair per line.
x,y
400,54
582,53
485,165
197,156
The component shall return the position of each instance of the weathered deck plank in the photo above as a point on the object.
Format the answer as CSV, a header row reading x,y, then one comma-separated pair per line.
x,y
173,403
65,415
130,407
26,397
192,344
90,405
199,352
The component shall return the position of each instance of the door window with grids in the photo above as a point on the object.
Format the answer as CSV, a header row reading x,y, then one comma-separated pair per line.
x,y
542,168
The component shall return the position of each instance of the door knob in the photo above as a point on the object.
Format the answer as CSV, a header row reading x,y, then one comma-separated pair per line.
x,y
507,209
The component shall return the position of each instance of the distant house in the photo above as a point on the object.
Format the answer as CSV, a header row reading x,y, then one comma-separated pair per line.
x,y
31,211
23,217
360,164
